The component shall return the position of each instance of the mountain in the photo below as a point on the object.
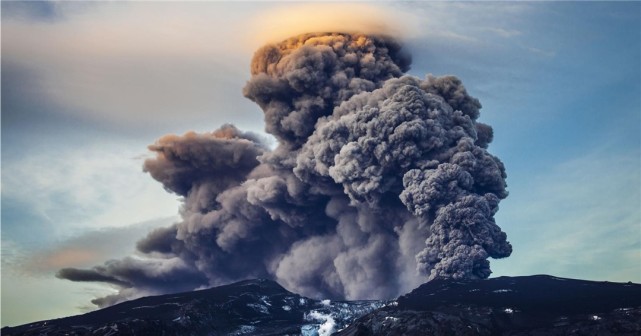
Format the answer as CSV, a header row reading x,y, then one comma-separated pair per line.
x,y
251,307
529,305
526,305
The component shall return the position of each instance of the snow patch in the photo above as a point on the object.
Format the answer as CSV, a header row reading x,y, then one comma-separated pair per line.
x,y
244,329
265,300
502,290
508,310
286,308
113,331
308,330
162,304
326,302
258,307
327,322
595,318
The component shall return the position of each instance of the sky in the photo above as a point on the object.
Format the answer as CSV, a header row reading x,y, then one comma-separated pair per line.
x,y
86,87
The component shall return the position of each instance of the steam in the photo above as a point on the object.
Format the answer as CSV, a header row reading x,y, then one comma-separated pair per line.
x,y
379,182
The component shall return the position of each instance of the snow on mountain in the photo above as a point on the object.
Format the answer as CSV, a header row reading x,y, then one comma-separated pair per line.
x,y
530,305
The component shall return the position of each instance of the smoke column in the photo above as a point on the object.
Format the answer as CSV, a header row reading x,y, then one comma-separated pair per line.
x,y
379,182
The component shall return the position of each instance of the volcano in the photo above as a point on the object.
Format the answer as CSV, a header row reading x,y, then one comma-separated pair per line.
x,y
526,305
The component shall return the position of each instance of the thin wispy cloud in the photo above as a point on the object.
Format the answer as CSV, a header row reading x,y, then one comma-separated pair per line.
x,y
573,222
503,32
90,62
541,52
83,249
92,186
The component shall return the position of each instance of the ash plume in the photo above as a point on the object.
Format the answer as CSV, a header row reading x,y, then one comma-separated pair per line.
x,y
379,182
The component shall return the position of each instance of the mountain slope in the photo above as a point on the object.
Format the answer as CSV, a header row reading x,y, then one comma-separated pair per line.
x,y
252,307
529,305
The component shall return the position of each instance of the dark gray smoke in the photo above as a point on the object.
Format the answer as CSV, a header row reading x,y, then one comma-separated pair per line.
x,y
379,182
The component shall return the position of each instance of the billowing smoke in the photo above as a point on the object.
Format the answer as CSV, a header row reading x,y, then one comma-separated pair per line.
x,y
378,183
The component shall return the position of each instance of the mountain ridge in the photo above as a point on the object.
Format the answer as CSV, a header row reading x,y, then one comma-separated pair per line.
x,y
498,306
522,305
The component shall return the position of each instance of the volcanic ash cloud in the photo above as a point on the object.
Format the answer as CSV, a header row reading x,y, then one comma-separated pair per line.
x,y
379,182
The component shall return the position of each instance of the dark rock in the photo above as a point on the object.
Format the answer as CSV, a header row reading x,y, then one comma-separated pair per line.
x,y
532,305
254,307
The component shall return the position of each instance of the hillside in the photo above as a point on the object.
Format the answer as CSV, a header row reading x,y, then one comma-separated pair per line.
x,y
527,305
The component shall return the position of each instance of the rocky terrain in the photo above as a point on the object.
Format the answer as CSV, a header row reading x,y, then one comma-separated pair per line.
x,y
252,307
528,305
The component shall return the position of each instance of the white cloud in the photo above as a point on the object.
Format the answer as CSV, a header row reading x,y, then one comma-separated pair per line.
x,y
160,64
84,249
140,64
88,187
156,64
286,20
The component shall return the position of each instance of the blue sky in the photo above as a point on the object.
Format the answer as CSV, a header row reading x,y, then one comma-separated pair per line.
x,y
86,87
